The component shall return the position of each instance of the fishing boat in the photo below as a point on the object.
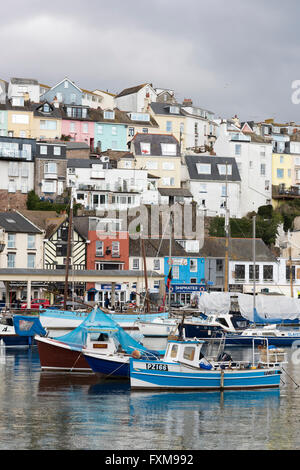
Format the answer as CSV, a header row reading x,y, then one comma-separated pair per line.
x,y
185,368
97,333
19,330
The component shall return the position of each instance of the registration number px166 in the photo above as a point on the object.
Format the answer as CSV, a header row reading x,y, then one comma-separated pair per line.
x,y
156,367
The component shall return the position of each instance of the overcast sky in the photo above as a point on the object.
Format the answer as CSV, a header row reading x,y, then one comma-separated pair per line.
x,y
239,57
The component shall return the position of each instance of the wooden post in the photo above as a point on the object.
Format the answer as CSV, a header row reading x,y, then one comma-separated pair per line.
x,y
113,295
70,230
28,293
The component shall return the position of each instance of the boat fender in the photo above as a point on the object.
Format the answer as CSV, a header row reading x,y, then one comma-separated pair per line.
x,y
136,354
205,366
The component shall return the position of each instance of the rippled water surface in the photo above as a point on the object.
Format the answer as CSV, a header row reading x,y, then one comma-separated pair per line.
x,y
41,410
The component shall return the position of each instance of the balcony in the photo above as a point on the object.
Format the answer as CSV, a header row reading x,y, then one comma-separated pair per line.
x,y
284,192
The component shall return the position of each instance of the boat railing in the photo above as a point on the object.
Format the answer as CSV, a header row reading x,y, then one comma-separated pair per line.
x,y
266,355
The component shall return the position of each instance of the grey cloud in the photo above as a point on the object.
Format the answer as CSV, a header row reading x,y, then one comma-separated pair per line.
x,y
231,57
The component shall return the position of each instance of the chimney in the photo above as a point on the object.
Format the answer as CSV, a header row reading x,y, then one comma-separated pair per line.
x,y
187,102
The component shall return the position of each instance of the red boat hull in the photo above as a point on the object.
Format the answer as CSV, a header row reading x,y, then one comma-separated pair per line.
x,y
57,356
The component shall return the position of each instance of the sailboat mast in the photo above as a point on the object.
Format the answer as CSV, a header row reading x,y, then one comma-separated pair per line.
x,y
146,277
226,283
70,229
254,262
170,259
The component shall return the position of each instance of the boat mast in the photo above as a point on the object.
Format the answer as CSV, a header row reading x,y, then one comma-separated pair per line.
x,y
254,263
146,277
70,230
226,283
170,258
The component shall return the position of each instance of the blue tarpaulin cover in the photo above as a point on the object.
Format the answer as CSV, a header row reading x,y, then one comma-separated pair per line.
x,y
28,326
98,322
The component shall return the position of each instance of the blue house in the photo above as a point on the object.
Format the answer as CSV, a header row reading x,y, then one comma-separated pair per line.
x,y
110,131
188,277
64,92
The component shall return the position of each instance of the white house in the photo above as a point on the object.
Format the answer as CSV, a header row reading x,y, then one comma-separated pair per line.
x,y
199,127
97,186
22,89
135,99
253,155
213,180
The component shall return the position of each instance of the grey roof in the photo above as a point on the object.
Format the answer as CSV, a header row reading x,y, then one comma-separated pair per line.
x,y
240,249
26,81
184,192
131,90
192,160
16,223
81,162
164,108
155,140
76,145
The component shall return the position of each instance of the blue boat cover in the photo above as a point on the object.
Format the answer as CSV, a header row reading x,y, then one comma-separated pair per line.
x,y
98,322
28,326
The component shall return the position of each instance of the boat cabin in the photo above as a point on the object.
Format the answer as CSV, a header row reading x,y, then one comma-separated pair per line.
x,y
186,352
100,341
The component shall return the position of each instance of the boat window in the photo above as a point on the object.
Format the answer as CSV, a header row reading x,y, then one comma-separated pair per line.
x,y
189,353
174,350
222,321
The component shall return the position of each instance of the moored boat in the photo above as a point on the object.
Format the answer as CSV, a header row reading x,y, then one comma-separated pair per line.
x,y
97,333
185,368
274,335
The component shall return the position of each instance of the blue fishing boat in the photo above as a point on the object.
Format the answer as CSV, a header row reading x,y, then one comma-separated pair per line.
x,y
185,368
19,331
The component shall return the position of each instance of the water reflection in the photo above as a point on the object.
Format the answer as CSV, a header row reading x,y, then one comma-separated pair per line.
x,y
43,410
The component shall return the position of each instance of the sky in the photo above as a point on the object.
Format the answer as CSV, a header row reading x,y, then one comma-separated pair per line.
x,y
233,58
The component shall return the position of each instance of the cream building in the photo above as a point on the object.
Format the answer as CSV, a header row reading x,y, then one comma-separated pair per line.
x,y
160,155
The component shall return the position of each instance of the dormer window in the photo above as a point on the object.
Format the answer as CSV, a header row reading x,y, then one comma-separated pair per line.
x,y
46,108
169,149
140,116
174,109
109,115
203,168
145,148
225,169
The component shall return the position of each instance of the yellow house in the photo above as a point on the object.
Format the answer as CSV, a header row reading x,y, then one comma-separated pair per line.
x,y
19,121
170,120
36,121
282,176
46,123
160,154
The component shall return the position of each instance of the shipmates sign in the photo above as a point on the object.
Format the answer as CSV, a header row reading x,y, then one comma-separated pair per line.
x,y
187,288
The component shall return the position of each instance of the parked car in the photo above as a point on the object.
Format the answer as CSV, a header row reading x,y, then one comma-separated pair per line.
x,y
36,304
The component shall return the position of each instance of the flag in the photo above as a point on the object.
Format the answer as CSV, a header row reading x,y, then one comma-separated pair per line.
x,y
169,278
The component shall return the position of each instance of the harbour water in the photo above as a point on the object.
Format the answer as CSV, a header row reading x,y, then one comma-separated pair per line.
x,y
47,411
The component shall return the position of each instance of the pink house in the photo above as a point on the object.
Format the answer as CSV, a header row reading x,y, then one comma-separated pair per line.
x,y
79,130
